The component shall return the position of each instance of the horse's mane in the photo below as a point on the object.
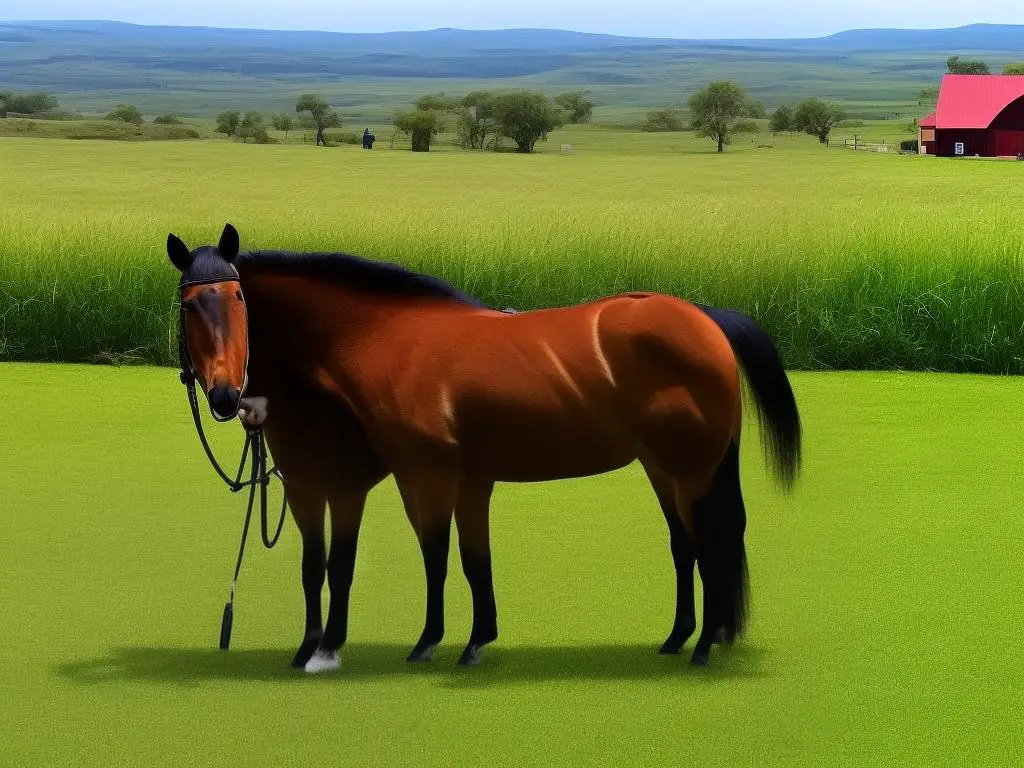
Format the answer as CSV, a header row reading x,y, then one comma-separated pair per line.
x,y
378,277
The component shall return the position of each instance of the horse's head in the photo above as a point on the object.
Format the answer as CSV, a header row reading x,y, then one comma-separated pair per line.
x,y
214,324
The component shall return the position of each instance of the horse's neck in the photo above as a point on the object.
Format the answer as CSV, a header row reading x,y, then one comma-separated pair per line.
x,y
299,322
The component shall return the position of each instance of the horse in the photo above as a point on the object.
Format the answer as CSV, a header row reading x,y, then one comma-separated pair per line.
x,y
370,370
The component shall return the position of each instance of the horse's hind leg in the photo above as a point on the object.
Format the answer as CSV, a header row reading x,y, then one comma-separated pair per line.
x,y
472,511
308,511
682,557
720,521
429,500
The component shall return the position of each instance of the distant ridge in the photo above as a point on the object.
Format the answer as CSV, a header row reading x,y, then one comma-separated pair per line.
x,y
1006,37
201,70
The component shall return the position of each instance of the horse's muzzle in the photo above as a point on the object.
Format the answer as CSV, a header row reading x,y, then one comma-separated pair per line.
x,y
224,401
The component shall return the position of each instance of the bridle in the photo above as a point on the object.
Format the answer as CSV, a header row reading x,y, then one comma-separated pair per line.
x,y
255,441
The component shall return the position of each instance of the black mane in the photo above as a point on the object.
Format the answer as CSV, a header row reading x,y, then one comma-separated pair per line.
x,y
379,277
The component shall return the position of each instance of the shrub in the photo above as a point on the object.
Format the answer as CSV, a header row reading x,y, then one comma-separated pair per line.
x,y
664,121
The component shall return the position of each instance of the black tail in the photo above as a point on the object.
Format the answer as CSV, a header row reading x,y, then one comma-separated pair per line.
x,y
773,396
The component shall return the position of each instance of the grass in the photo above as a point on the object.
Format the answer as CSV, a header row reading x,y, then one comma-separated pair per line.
x,y
885,616
851,260
98,129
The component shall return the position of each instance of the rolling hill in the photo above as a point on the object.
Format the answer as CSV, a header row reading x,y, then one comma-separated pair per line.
x,y
198,71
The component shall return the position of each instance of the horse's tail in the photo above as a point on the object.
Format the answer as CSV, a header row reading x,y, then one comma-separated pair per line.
x,y
773,396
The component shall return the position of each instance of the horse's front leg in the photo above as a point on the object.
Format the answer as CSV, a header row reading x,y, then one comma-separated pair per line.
x,y
346,515
308,511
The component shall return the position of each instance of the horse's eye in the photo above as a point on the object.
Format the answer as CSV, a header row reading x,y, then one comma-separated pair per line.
x,y
188,306
238,295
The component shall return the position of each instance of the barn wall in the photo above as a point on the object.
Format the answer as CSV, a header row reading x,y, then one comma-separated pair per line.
x,y
975,142
1009,143
1011,118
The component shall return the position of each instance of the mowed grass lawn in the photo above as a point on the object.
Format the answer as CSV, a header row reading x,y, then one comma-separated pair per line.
x,y
851,260
886,615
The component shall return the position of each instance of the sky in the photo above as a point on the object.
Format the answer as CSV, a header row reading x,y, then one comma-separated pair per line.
x,y
648,18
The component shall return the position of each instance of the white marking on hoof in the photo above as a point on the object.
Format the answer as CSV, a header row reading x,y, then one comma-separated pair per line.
x,y
322,661
473,657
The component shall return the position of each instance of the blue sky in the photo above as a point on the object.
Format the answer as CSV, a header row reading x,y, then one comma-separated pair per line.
x,y
719,18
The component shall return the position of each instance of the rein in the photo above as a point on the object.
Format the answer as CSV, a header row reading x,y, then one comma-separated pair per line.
x,y
259,475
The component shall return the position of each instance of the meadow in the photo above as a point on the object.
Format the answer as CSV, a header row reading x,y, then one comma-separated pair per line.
x,y
851,260
885,617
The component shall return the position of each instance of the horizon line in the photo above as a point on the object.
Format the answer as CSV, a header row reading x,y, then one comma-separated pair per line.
x,y
504,29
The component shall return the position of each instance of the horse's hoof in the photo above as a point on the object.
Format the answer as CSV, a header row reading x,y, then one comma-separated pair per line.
x,y
699,659
675,642
471,656
720,636
323,661
307,649
423,655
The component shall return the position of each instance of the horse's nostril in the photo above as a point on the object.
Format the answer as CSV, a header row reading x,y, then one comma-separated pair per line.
x,y
224,401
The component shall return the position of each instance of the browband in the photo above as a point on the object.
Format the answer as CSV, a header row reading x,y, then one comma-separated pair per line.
x,y
209,280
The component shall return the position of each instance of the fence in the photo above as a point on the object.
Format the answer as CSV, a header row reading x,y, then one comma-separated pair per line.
x,y
859,145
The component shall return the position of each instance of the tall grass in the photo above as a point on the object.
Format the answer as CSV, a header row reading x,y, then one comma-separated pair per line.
x,y
850,260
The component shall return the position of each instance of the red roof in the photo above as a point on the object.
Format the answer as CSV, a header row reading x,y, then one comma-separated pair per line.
x,y
974,101
927,122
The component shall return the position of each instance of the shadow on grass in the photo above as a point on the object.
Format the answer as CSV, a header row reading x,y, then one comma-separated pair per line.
x,y
377,662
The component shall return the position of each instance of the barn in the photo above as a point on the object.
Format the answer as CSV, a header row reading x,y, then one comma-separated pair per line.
x,y
976,115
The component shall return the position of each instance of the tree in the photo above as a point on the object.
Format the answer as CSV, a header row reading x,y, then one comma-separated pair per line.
x,y
663,121
782,119
756,110
1014,68
956,66
476,119
323,116
927,97
282,122
526,117
127,113
228,122
577,106
717,111
437,103
815,117
422,125
167,120
252,127
27,103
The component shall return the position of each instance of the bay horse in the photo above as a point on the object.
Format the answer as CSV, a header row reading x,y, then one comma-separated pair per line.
x,y
368,370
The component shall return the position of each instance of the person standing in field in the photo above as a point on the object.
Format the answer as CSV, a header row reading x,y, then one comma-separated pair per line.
x,y
368,139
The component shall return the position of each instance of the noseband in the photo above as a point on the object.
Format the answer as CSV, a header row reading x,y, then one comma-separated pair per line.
x,y
259,475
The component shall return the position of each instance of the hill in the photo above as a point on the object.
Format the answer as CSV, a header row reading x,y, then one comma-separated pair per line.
x,y
197,70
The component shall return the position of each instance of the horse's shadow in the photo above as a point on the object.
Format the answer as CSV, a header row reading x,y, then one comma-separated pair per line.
x,y
376,662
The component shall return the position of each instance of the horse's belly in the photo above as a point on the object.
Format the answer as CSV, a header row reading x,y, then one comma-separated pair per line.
x,y
524,456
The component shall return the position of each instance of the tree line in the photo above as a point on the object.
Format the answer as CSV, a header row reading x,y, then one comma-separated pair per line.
x,y
26,103
724,109
482,118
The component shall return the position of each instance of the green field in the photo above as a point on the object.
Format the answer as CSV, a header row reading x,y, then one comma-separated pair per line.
x,y
851,260
885,625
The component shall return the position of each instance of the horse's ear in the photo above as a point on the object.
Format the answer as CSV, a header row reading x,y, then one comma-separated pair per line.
x,y
178,252
228,245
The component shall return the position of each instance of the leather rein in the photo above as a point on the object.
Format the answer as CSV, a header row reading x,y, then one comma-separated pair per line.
x,y
255,443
